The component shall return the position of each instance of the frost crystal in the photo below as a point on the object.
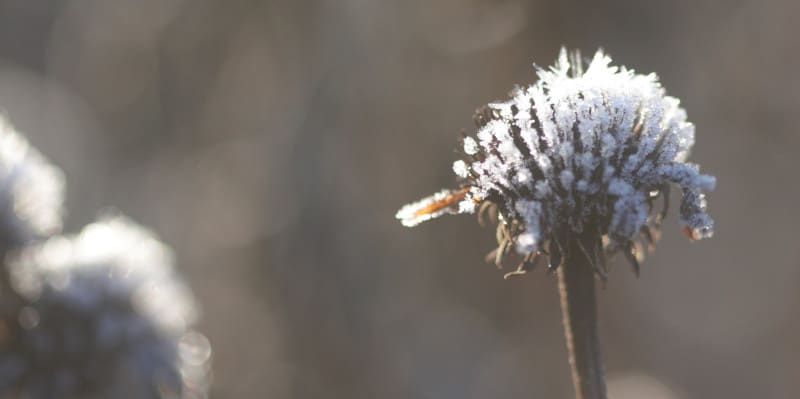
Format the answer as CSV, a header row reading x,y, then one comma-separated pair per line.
x,y
101,315
582,153
31,191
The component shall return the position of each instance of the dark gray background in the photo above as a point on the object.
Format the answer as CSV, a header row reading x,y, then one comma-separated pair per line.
x,y
270,143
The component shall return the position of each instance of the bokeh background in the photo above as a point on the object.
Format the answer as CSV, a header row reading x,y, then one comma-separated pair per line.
x,y
270,143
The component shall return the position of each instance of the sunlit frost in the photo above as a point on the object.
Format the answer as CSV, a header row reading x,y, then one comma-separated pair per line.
x,y
585,145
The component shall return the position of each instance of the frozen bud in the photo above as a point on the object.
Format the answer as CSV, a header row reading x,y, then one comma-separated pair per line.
x,y
102,314
587,152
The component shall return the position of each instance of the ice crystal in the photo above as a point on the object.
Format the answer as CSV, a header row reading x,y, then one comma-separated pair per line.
x,y
101,315
581,154
31,191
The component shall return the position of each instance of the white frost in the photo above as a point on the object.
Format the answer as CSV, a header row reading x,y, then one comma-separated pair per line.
x,y
461,169
420,211
602,140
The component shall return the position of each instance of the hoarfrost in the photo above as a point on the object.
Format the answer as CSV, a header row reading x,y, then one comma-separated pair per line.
x,y
603,140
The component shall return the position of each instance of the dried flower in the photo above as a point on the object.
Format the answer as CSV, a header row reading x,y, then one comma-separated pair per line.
x,y
102,314
31,191
581,153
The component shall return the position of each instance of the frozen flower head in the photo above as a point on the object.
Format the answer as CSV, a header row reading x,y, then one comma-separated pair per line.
x,y
583,154
101,315
31,191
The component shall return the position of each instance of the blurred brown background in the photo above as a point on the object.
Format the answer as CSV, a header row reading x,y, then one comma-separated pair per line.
x,y
270,144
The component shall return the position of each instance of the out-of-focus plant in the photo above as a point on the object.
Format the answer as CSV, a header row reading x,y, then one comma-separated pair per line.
x,y
572,168
101,314
31,192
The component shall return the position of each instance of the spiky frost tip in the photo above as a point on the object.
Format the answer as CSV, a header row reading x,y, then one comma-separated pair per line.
x,y
584,152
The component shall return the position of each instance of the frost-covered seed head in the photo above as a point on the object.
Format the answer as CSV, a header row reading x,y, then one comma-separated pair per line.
x,y
31,191
101,315
584,152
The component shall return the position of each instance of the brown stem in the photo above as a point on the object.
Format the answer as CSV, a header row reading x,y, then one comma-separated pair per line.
x,y
576,285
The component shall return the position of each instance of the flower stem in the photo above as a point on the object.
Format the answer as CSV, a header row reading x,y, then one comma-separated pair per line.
x,y
576,286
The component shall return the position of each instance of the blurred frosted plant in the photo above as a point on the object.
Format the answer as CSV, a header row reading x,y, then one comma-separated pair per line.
x,y
101,315
572,167
581,153
31,191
